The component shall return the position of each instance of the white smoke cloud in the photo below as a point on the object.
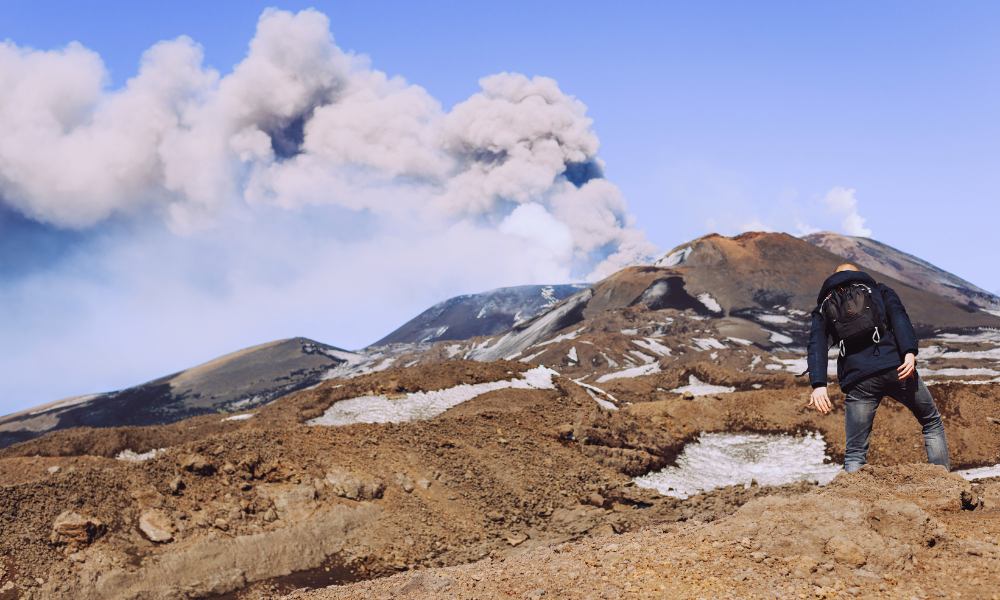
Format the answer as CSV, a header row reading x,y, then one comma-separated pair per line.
x,y
302,193
297,123
842,203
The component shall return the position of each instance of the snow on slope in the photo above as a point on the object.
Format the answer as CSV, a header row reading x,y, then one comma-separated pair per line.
x,y
721,459
423,405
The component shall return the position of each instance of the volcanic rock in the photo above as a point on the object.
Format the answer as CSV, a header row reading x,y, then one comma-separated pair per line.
x,y
157,526
197,464
354,487
73,528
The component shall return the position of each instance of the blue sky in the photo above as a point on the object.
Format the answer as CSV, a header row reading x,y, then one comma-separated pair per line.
x,y
712,116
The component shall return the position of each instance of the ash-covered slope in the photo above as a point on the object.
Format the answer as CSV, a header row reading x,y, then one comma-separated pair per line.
x,y
236,381
756,271
874,255
740,302
472,315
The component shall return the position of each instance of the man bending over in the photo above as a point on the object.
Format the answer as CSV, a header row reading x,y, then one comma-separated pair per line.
x,y
877,358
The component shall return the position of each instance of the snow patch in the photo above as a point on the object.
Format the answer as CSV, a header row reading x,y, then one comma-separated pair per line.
x,y
242,417
572,356
645,358
349,357
986,335
653,346
433,336
424,405
132,456
647,369
779,338
980,472
794,365
534,331
700,388
572,335
718,460
709,302
937,351
630,331
594,388
956,372
675,258
776,319
708,343
740,341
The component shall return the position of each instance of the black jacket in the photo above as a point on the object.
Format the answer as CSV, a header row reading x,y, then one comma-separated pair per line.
x,y
860,363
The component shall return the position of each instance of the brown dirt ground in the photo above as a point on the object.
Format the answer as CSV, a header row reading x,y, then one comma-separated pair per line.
x,y
509,471
890,532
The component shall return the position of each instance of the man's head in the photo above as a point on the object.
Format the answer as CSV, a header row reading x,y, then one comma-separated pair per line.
x,y
846,267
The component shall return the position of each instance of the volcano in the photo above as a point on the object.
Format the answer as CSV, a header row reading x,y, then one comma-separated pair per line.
x,y
533,433
715,302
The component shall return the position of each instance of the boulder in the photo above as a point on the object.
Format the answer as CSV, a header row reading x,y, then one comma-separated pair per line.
x,y
157,526
405,482
197,464
73,528
845,551
292,501
354,487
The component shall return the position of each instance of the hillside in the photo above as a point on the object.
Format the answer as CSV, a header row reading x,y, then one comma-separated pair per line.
x,y
874,255
237,381
473,315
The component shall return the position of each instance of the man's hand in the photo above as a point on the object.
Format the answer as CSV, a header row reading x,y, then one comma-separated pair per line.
x,y
820,400
908,368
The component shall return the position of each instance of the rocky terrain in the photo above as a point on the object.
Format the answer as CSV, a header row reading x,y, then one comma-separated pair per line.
x,y
912,531
513,464
262,505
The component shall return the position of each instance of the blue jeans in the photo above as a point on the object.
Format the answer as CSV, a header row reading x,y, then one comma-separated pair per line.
x,y
862,401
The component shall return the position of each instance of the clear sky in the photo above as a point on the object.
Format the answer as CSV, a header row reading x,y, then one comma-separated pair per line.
x,y
712,116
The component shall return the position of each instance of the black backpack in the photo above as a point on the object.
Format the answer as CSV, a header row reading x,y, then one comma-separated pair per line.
x,y
853,318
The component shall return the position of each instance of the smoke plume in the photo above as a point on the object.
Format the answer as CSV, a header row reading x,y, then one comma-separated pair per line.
x,y
190,212
300,122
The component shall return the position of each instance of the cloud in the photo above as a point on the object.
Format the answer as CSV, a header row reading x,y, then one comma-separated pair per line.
x,y
297,122
836,210
842,203
755,224
191,212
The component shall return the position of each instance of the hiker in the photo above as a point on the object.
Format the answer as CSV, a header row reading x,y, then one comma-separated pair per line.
x,y
877,358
